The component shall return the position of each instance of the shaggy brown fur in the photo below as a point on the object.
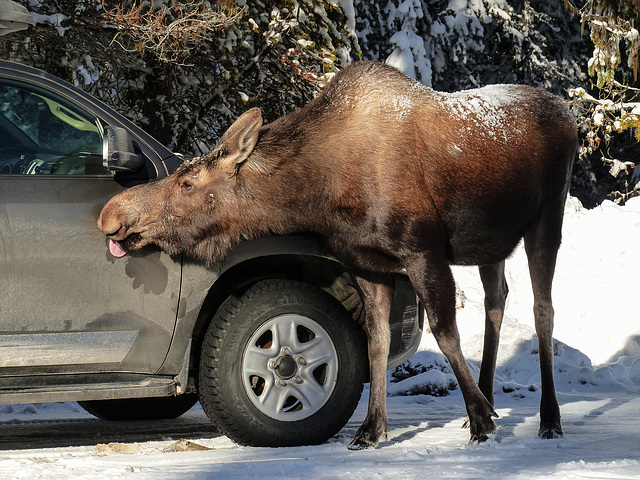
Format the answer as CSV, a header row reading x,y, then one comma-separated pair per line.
x,y
395,176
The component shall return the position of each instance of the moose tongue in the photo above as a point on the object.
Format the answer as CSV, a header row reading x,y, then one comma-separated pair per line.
x,y
115,249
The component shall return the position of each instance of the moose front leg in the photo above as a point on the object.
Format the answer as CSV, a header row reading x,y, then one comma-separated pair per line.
x,y
433,281
377,294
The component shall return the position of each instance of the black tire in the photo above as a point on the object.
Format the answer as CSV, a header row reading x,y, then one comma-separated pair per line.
x,y
152,408
243,357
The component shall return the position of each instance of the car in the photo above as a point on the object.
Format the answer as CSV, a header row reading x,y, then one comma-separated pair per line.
x,y
272,343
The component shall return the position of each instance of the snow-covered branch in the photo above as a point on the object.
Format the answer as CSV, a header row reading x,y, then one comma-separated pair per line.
x,y
606,104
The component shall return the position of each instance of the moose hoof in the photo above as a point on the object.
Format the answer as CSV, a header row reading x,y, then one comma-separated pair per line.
x,y
364,440
478,438
359,445
480,430
551,432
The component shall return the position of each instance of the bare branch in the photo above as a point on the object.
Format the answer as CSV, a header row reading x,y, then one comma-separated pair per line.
x,y
169,31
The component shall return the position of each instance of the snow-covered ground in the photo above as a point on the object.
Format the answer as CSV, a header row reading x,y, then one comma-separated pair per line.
x,y
597,377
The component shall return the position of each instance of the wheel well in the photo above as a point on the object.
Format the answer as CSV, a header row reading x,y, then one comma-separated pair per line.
x,y
324,273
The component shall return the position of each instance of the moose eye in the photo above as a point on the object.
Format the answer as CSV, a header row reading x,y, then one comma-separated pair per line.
x,y
186,186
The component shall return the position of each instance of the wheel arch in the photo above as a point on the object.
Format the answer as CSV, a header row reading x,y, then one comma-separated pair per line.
x,y
321,272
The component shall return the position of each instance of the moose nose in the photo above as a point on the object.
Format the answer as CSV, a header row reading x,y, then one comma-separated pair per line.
x,y
110,227
109,223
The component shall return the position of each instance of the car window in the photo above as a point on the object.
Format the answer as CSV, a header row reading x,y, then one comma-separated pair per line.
x,y
44,134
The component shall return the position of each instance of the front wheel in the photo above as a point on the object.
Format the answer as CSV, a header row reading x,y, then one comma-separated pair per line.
x,y
282,365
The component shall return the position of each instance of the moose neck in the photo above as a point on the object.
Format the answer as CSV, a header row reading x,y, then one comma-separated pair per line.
x,y
283,201
290,170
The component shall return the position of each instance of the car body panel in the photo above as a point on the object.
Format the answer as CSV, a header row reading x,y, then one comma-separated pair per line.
x,y
57,278
67,302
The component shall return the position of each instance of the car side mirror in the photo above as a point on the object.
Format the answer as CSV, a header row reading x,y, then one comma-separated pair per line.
x,y
118,151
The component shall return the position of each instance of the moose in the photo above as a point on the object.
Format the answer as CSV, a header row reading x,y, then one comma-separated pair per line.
x,y
395,176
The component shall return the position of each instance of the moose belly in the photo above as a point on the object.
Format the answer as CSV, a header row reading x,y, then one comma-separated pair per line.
x,y
364,256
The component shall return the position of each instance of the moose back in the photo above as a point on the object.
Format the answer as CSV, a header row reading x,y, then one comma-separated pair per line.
x,y
395,176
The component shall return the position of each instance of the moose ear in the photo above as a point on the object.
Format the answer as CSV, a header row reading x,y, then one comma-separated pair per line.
x,y
241,138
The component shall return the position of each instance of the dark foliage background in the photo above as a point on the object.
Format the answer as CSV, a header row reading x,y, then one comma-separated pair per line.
x,y
275,54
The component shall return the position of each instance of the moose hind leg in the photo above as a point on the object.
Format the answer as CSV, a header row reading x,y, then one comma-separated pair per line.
x,y
433,281
495,298
377,295
542,244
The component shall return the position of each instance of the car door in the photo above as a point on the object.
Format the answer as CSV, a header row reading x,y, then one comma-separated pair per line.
x,y
66,305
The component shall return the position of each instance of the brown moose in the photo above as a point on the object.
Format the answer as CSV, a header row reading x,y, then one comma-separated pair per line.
x,y
395,176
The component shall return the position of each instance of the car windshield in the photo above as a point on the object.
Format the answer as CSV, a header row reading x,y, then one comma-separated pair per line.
x,y
45,134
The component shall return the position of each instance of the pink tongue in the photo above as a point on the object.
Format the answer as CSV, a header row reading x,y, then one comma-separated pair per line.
x,y
115,249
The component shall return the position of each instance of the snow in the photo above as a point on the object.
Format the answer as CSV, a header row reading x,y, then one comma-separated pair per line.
x,y
455,32
409,53
485,110
54,20
597,366
350,12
